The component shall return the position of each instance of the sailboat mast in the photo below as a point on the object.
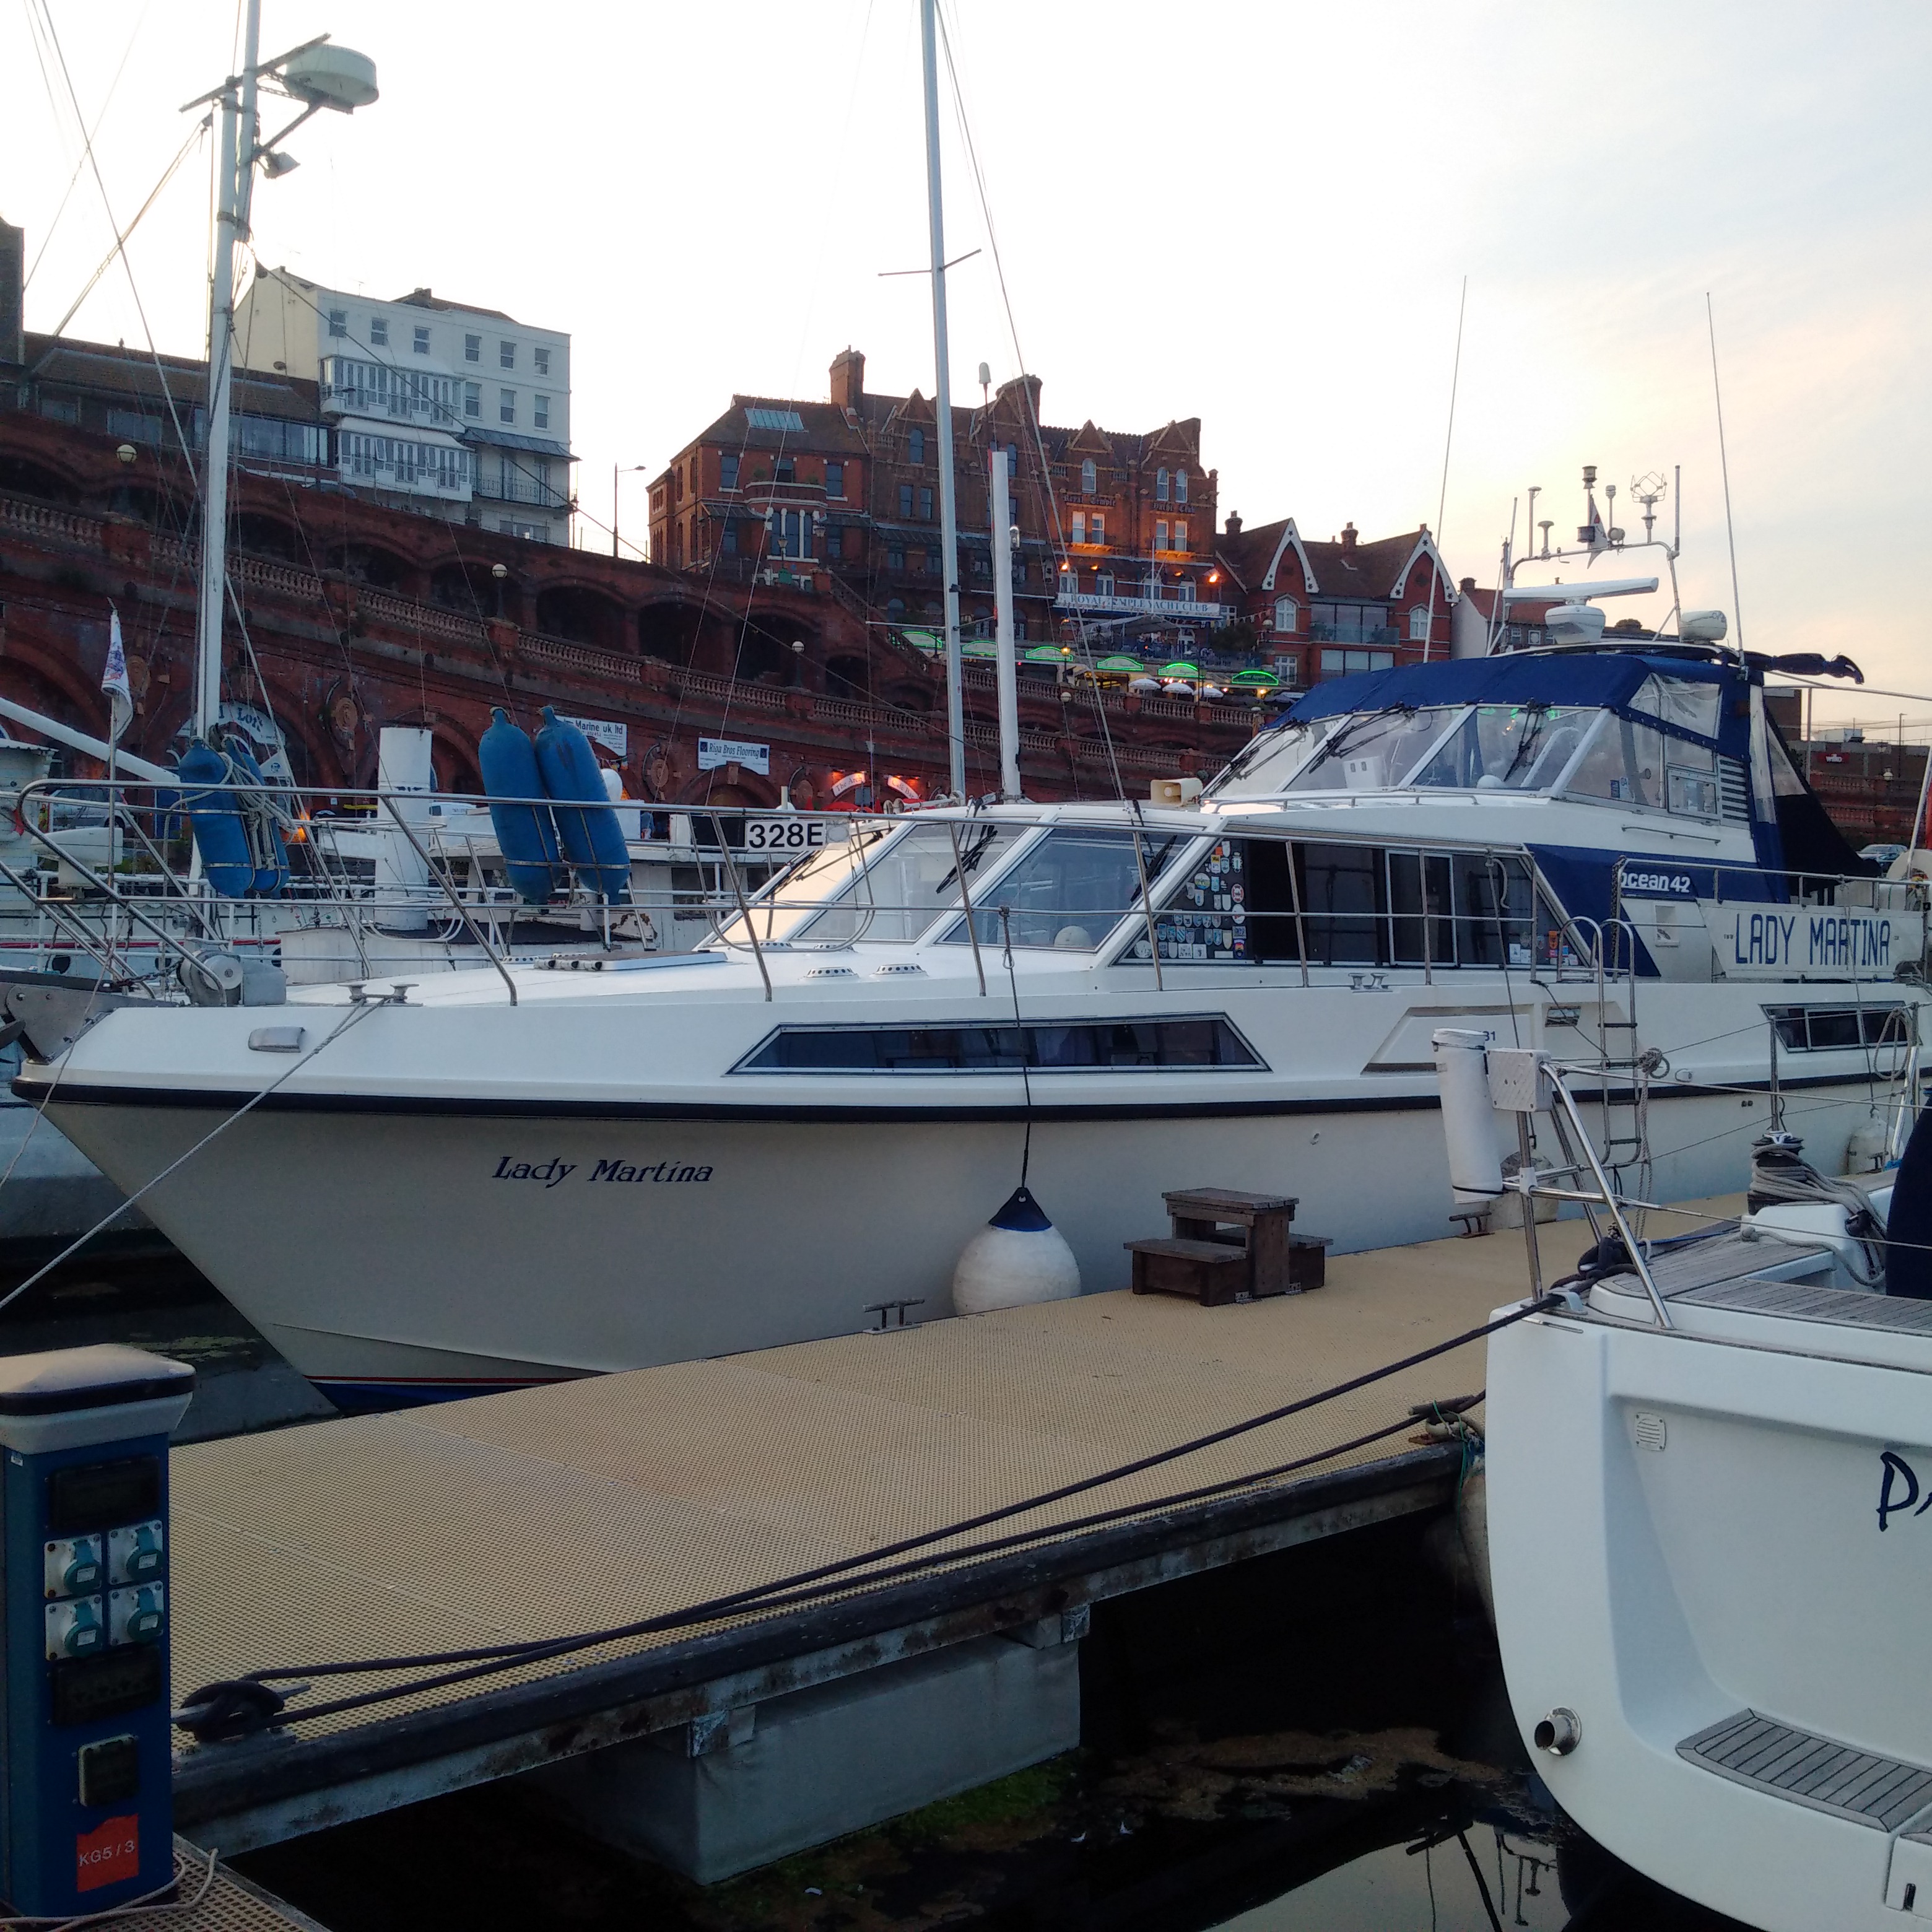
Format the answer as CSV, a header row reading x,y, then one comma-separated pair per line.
x,y
949,522
236,159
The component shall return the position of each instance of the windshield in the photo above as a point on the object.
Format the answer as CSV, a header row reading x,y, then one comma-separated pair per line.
x,y
897,893
1265,766
1370,751
1069,891
1507,747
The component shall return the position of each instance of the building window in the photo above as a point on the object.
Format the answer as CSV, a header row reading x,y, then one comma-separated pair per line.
x,y
896,606
785,469
895,559
506,354
506,405
905,499
1103,584
1160,486
727,470
421,343
1079,536
932,561
1019,570
835,540
916,446
1344,664
473,399
540,411
728,545
541,356
1097,528
1019,630
925,506
835,479
1183,591
379,332
1418,625
1287,668
472,349
1160,536
1180,486
1287,613
1181,536
982,564
338,322
1089,478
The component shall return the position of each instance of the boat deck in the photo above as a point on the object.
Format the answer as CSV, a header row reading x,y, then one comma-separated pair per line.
x,y
587,1504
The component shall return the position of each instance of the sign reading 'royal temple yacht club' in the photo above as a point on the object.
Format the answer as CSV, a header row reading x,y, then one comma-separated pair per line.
x,y
713,754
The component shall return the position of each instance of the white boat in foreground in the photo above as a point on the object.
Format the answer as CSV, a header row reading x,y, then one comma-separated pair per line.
x,y
1707,1512
496,1177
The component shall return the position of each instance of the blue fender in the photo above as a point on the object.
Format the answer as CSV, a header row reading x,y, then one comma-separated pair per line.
x,y
526,833
269,860
592,841
216,821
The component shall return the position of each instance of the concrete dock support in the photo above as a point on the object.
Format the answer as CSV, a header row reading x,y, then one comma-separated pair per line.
x,y
737,1789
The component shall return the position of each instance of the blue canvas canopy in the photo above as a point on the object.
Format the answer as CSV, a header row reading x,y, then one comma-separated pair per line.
x,y
1605,680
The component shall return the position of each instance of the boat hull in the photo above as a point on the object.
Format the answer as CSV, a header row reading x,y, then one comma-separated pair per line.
x,y
1687,1556
456,1249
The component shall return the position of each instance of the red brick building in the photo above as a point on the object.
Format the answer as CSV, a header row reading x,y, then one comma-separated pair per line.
x,y
1116,530
1325,610
359,616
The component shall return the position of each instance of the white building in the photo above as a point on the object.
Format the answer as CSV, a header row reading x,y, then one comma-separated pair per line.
x,y
434,406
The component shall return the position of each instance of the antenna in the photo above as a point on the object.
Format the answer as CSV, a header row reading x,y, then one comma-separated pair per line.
x,y
1650,490
1724,465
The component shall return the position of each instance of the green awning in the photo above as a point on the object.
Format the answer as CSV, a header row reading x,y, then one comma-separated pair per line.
x,y
1254,680
1120,663
979,647
1181,668
1043,654
925,640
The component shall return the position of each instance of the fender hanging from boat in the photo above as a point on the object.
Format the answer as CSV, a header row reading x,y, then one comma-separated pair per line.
x,y
591,840
526,833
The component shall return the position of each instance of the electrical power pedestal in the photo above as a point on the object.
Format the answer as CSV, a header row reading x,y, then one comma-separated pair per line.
x,y
86,1761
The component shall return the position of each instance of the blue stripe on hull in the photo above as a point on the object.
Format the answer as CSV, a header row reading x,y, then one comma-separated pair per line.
x,y
366,1398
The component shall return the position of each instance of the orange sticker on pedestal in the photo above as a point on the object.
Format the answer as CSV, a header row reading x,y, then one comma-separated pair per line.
x,y
109,1853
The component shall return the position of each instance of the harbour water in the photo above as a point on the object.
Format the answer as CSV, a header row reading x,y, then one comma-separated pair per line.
x,y
1318,1739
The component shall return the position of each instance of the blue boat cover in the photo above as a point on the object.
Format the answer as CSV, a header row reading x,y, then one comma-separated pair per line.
x,y
1607,680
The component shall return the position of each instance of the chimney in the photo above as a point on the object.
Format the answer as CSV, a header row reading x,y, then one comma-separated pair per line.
x,y
1468,584
848,378
1234,523
1349,534
13,316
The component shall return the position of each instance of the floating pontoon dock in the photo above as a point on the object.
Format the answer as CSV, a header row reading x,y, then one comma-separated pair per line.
x,y
591,1503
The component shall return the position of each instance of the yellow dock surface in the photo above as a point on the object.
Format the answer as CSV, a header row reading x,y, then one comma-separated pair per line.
x,y
591,1503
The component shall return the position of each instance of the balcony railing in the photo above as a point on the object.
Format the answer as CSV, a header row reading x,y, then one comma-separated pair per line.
x,y
521,489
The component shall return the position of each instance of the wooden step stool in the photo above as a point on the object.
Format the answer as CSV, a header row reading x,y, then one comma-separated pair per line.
x,y
1228,1246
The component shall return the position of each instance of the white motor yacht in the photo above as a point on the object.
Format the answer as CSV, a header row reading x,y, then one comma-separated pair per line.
x,y
494,1177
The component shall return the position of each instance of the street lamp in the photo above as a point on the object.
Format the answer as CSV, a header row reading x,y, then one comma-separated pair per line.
x,y
617,470
318,75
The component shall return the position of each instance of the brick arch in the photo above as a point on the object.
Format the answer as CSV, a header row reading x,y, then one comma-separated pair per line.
x,y
584,613
749,791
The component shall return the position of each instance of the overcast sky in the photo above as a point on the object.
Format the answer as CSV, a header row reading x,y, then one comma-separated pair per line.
x,y
1259,214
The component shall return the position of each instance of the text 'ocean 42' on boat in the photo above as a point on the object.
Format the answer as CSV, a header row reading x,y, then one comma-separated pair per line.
x,y
499,1176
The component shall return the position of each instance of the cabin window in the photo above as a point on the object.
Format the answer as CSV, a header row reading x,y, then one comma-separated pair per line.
x,y
1354,905
1372,752
898,894
1623,761
1824,1029
1208,1040
1068,892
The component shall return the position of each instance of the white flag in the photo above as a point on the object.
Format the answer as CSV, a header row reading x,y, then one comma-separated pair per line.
x,y
114,680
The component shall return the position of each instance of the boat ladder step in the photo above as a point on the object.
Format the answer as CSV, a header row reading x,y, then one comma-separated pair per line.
x,y
1751,1749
